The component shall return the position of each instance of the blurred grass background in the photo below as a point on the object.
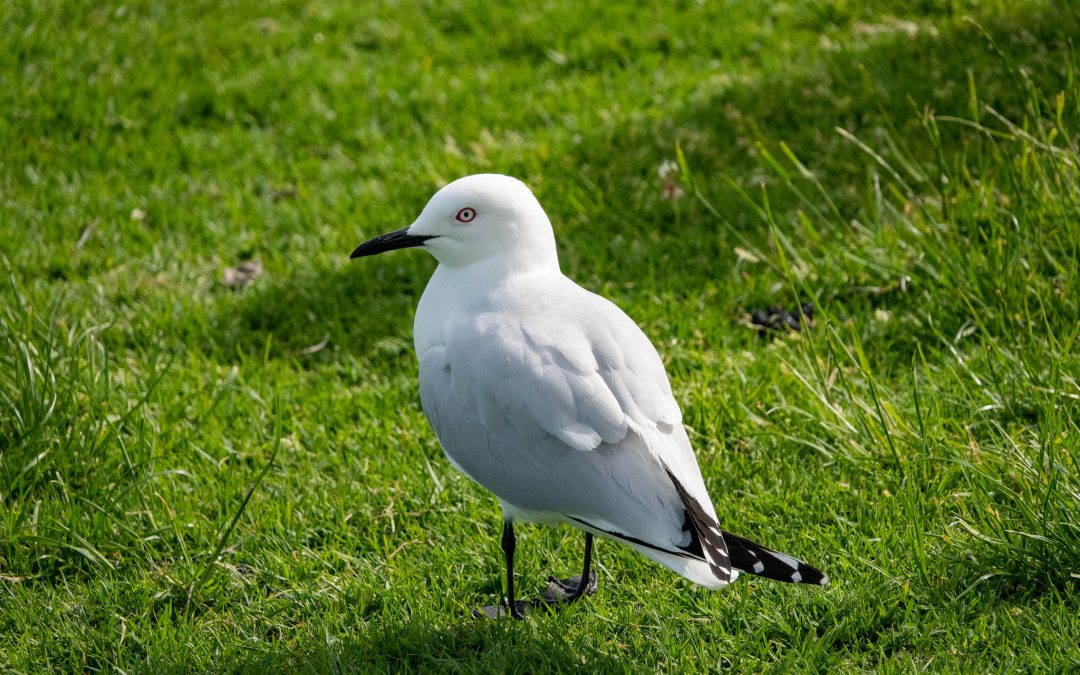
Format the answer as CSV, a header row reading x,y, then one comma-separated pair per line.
x,y
909,167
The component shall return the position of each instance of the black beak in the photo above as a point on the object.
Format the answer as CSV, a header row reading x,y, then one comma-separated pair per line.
x,y
389,242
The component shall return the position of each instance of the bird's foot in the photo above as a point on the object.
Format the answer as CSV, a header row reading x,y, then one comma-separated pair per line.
x,y
558,592
566,590
521,608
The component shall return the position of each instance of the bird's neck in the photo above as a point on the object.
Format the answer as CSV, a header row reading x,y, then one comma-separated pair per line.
x,y
454,290
506,264
468,283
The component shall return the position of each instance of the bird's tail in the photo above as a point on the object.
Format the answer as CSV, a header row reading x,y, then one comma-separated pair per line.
x,y
728,554
754,558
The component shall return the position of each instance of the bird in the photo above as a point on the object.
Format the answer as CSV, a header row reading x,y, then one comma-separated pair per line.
x,y
553,399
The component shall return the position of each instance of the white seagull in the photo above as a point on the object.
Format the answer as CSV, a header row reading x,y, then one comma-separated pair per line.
x,y
552,398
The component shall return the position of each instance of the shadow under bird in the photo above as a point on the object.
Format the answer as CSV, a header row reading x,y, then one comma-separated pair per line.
x,y
553,399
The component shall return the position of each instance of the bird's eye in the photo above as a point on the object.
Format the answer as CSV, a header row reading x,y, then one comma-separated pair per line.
x,y
466,215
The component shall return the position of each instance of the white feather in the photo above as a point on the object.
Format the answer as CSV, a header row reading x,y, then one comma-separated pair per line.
x,y
553,399
544,393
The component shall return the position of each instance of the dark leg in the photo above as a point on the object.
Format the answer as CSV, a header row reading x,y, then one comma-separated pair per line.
x,y
559,591
585,576
508,545
569,590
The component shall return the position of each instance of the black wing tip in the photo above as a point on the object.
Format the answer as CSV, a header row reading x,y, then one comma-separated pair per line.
x,y
706,537
810,575
805,574
801,574
753,558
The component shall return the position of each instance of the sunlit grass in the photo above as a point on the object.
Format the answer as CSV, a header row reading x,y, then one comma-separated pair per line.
x,y
202,475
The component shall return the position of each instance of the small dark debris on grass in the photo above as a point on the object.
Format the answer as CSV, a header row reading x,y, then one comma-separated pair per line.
x,y
283,192
775,319
243,274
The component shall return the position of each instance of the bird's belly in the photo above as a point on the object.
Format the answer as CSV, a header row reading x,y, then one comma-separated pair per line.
x,y
529,472
539,478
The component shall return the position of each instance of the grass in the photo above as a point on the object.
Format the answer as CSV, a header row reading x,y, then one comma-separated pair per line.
x,y
196,476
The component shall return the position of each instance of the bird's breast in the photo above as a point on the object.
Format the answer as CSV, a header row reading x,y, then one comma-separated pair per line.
x,y
438,305
451,293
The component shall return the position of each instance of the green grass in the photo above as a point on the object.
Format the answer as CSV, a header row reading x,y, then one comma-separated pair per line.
x,y
199,477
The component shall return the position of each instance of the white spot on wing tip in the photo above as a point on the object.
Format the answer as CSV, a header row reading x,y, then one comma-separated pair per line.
x,y
759,567
796,577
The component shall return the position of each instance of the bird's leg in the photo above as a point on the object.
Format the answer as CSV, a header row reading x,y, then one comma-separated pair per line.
x,y
508,544
585,580
559,591
569,590
510,603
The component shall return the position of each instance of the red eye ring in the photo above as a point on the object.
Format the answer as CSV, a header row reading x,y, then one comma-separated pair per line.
x,y
466,215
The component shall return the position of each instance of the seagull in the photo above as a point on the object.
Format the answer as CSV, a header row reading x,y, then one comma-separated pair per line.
x,y
553,399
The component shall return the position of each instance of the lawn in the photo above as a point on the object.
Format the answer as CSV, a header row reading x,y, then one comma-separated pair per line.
x,y
201,471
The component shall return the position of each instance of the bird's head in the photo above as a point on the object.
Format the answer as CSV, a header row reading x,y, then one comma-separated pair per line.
x,y
476,218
